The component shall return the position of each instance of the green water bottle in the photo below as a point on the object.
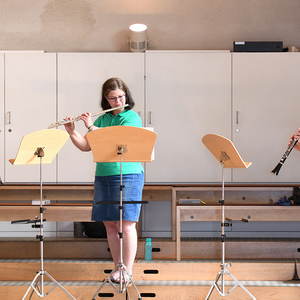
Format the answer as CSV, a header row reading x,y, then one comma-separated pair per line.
x,y
148,249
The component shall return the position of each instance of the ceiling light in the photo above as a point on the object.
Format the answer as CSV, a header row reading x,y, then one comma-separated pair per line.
x,y
138,38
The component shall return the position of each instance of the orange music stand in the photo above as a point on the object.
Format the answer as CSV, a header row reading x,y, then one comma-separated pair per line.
x,y
226,153
121,144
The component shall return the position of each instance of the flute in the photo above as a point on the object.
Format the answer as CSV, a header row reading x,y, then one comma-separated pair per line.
x,y
276,170
92,115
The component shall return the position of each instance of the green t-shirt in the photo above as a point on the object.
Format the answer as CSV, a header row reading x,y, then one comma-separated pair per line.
x,y
125,118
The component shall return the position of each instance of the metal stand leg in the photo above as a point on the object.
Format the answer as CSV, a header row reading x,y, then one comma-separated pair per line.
x,y
224,271
295,277
125,277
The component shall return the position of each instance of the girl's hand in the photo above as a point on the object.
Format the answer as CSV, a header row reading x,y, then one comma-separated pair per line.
x,y
70,127
87,119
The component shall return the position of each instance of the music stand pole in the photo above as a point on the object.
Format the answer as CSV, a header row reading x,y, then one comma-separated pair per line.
x,y
52,140
121,264
119,144
120,267
227,155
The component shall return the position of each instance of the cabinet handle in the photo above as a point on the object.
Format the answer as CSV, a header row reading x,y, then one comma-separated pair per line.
x,y
8,118
237,121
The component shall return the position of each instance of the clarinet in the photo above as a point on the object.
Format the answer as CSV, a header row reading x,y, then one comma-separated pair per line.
x,y
276,170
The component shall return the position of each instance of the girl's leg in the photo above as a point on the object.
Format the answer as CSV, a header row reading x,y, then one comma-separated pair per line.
x,y
129,242
112,230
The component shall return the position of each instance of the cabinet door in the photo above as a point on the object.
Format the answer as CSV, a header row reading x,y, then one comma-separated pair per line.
x,y
30,105
2,116
266,93
188,95
80,79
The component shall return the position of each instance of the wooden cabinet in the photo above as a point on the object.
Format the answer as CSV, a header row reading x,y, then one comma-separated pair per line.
x,y
265,93
30,105
80,79
188,95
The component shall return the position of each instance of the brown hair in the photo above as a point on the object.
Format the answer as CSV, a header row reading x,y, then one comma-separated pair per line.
x,y
113,84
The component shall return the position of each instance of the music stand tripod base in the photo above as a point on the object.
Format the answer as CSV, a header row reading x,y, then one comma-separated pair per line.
x,y
35,286
226,153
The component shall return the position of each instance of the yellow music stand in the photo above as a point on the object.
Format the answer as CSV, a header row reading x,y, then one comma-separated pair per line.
x,y
51,140
121,144
40,147
226,153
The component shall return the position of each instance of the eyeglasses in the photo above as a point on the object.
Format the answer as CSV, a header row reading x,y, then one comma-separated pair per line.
x,y
114,99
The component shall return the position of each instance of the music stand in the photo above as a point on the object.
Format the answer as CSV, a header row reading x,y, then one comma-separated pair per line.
x,y
121,144
40,147
225,152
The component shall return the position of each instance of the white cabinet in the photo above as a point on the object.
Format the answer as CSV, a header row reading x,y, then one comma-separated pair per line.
x,y
80,79
2,116
265,91
30,105
188,95
250,98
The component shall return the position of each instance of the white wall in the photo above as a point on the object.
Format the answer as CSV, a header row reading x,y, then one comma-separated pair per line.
x,y
93,25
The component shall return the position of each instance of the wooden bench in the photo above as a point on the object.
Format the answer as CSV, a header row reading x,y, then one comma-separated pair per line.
x,y
72,203
193,213
69,203
234,194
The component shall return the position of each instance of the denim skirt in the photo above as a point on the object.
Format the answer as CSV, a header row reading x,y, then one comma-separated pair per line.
x,y
107,188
